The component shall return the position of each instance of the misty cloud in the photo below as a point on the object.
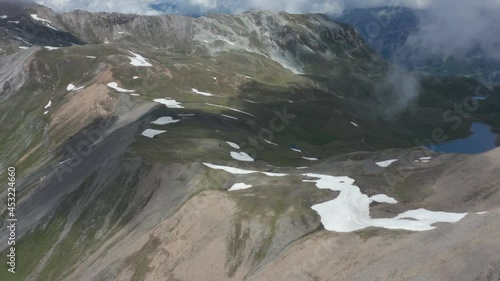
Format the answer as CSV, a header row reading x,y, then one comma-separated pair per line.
x,y
399,88
459,27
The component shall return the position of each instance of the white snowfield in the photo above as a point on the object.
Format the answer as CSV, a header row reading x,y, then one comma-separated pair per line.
x,y
138,60
350,211
52,48
170,103
196,91
165,120
230,108
114,86
241,156
233,145
354,124
3,17
48,104
239,186
296,150
90,57
386,163
150,133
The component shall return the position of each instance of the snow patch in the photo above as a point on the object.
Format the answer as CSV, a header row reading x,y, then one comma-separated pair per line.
x,y
233,145
48,104
150,133
165,120
271,143
310,158
201,93
51,48
250,101
354,124
424,159
296,150
21,39
382,198
51,27
386,163
229,42
230,108
135,77
239,186
241,156
138,60
170,103
90,57
350,211
114,86
35,17
3,17
229,116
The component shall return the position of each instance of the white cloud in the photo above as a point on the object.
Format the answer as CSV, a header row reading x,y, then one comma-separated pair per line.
x,y
459,26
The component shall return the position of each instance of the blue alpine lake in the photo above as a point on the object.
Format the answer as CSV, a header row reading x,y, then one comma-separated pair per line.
x,y
481,140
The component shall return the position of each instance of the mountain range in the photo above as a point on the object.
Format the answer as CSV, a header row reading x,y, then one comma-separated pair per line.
x,y
251,146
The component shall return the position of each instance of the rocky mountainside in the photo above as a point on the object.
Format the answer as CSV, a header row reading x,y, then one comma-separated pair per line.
x,y
257,146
